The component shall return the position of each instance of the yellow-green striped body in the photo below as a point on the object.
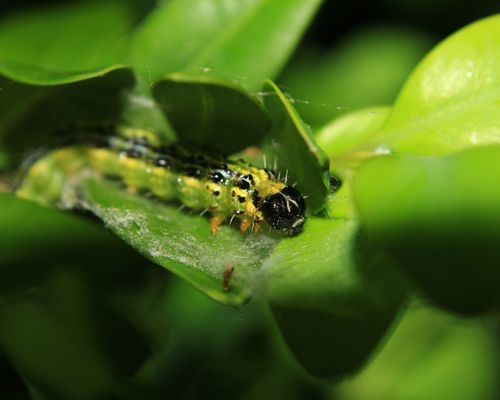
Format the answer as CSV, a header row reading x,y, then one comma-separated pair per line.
x,y
224,189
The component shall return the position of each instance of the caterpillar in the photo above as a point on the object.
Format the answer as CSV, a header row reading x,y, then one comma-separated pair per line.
x,y
225,189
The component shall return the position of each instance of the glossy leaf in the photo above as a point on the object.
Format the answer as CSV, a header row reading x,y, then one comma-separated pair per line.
x,y
248,40
427,351
333,297
450,102
39,116
66,43
295,150
209,114
342,137
73,37
439,219
348,131
41,76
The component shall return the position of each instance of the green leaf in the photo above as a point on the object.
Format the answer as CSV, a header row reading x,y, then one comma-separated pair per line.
x,y
209,114
439,219
39,232
69,43
247,40
429,350
42,76
333,298
32,116
30,334
349,130
141,111
367,68
295,150
342,137
180,242
73,37
60,279
451,100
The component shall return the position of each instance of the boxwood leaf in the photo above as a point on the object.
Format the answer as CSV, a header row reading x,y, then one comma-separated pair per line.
x,y
450,102
60,275
20,233
343,137
42,76
248,39
74,37
333,297
439,219
211,114
349,130
39,116
428,350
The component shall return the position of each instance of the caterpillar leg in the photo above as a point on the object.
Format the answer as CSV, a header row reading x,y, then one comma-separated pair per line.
x,y
245,224
215,222
227,277
133,190
256,227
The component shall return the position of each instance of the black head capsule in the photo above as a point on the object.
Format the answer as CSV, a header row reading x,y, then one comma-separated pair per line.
x,y
285,210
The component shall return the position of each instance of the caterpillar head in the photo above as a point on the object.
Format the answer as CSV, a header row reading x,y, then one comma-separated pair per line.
x,y
285,210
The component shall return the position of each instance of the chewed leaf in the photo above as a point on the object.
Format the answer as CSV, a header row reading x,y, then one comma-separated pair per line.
x,y
292,144
182,242
451,101
211,114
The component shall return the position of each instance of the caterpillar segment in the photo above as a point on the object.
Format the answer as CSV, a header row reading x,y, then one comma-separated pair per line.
x,y
227,190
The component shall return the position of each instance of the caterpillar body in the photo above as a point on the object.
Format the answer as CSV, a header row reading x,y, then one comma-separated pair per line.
x,y
225,189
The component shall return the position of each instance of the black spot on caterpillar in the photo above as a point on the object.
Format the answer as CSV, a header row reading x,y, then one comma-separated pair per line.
x,y
227,189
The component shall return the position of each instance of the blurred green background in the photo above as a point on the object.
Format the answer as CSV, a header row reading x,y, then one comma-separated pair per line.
x,y
87,316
